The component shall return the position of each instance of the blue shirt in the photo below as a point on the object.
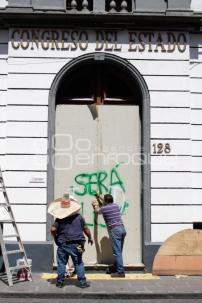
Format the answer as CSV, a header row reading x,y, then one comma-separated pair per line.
x,y
70,229
111,214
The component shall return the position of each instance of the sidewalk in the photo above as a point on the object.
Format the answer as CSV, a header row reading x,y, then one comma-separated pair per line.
x,y
136,286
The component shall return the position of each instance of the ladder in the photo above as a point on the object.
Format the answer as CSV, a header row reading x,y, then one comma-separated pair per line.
x,y
9,270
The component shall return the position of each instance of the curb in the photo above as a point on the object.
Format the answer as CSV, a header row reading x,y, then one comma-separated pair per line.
x,y
101,295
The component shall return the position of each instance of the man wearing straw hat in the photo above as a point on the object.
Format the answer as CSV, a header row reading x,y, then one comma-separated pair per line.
x,y
68,232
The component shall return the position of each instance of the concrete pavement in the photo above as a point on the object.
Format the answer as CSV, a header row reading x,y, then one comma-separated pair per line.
x,y
135,286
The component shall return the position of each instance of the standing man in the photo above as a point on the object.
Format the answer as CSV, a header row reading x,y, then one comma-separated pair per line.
x,y
117,232
68,234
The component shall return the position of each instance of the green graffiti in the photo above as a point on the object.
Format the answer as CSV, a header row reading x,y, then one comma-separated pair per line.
x,y
102,176
90,183
89,224
80,181
123,208
102,182
95,223
115,179
82,208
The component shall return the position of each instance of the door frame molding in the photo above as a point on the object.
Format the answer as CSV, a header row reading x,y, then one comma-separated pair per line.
x,y
145,133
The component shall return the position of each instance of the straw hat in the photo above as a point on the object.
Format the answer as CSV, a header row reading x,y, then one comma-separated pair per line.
x,y
64,207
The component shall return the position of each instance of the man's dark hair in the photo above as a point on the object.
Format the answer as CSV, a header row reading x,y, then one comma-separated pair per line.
x,y
108,198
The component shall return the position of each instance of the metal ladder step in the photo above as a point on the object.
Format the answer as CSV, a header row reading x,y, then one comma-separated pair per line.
x,y
20,251
12,252
10,236
20,266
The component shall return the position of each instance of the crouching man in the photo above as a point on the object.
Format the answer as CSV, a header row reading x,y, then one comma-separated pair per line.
x,y
68,234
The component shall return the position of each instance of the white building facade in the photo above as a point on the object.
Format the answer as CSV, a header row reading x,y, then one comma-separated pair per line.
x,y
97,97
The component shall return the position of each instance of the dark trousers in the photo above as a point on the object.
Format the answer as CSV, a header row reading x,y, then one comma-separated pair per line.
x,y
117,235
63,252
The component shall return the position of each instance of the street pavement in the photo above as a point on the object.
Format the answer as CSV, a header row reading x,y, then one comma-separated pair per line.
x,y
14,300
135,287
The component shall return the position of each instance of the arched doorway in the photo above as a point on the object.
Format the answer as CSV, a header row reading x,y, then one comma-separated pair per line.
x,y
98,118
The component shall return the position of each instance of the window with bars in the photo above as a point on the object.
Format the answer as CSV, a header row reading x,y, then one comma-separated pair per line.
x,y
118,5
79,5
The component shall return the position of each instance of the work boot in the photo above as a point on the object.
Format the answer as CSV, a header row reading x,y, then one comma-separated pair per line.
x,y
84,284
110,270
60,284
118,275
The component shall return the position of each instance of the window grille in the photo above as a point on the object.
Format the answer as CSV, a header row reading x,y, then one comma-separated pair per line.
x,y
118,6
79,5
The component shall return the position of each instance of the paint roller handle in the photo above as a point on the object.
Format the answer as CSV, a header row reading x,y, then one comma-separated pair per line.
x,y
95,205
99,198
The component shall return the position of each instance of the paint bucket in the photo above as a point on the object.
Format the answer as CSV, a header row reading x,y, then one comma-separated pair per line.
x,y
22,273
21,262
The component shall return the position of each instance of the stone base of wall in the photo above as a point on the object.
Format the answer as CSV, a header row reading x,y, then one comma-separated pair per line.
x,y
180,254
41,254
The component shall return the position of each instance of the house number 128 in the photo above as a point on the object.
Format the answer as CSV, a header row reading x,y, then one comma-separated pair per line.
x,y
160,148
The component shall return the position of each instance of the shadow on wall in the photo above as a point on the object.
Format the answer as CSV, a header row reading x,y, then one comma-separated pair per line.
x,y
105,253
103,249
